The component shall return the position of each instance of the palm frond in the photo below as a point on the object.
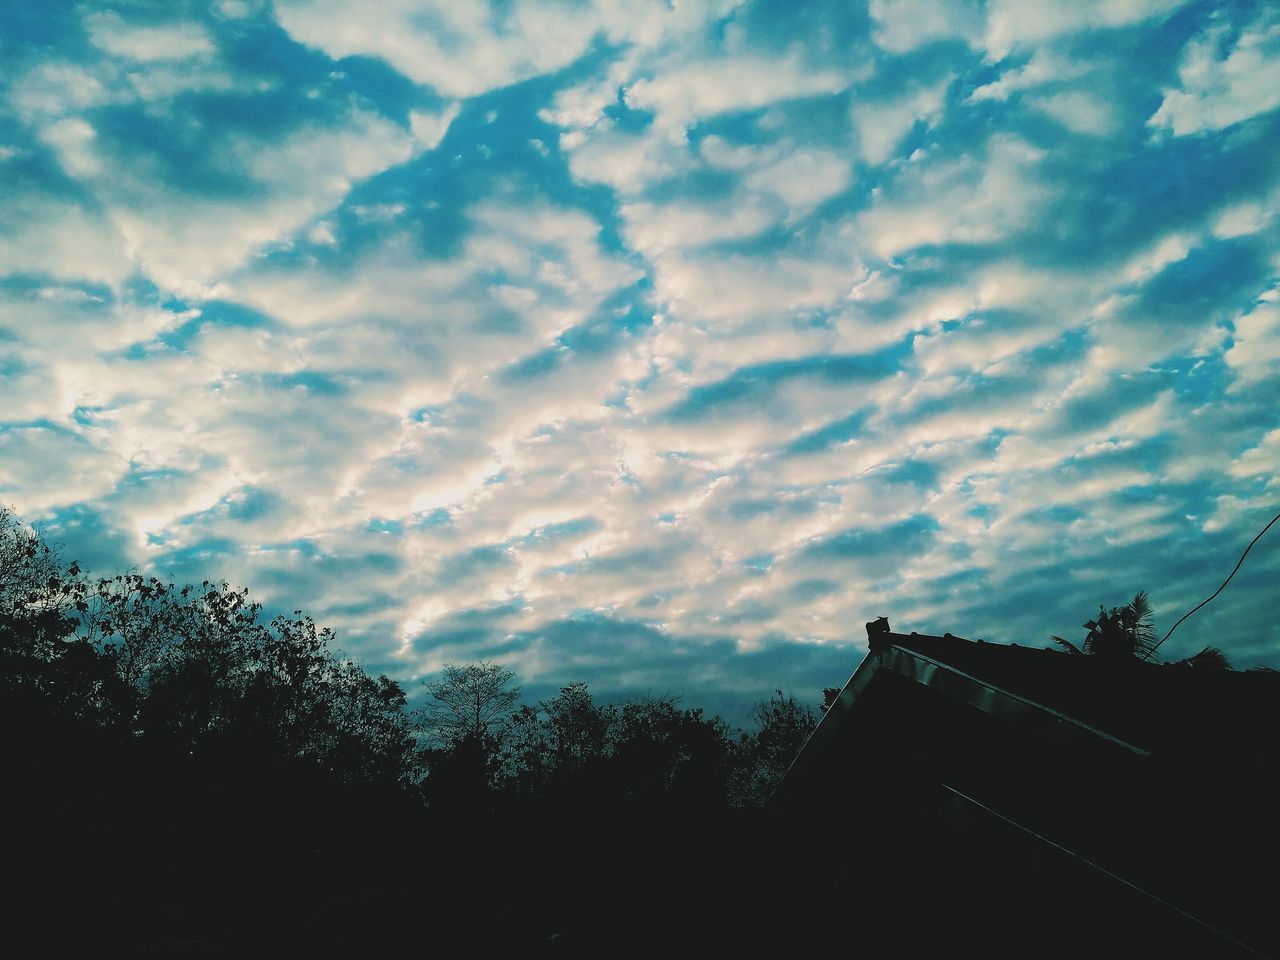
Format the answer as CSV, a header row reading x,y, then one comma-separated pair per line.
x,y
1210,658
1068,646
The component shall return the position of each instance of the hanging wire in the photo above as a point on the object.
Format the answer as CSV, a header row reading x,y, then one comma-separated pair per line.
x,y
1103,870
1216,592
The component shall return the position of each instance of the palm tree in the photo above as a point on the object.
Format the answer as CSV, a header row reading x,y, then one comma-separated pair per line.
x,y
1127,633
1122,633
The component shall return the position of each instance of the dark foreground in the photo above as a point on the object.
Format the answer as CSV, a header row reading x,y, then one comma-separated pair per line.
x,y
377,878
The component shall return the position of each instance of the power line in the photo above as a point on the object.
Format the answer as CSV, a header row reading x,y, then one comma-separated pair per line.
x,y
1103,870
1216,592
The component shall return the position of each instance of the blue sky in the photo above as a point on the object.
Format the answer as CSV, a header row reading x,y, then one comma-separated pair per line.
x,y
655,345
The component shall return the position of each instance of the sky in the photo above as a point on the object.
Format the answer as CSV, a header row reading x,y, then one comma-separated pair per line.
x,y
659,345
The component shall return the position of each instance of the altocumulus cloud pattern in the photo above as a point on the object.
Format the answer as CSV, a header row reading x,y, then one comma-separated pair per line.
x,y
653,344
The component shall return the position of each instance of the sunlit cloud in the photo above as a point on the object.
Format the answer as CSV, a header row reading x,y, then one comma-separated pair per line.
x,y
658,346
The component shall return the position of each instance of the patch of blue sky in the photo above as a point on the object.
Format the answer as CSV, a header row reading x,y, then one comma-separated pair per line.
x,y
12,365
201,560
247,504
827,33
153,148
87,534
999,393
626,561
37,27
313,382
756,384
260,47
87,416
496,145
34,169
1198,380
565,530
625,117
806,591
226,313
775,506
478,641
41,424
752,610
903,539
1216,280
985,512
1124,200
911,473
375,82
476,562
360,608
619,317
439,517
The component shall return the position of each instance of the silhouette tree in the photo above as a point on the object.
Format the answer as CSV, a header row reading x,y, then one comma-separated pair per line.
x,y
783,725
471,702
1120,634
526,756
1126,633
664,755
577,730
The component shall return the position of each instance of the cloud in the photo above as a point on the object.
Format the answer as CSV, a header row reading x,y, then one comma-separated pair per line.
x,y
1078,111
1016,23
938,200
178,41
460,50
173,186
903,27
1224,81
681,95
1043,67
655,345
1255,350
881,126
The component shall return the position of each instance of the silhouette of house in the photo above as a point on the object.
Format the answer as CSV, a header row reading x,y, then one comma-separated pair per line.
x,y
1029,802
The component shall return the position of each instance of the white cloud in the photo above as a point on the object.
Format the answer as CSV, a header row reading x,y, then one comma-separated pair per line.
x,y
1217,92
656,229
1079,111
698,91
43,468
882,125
1247,218
627,162
1254,355
178,41
1015,23
938,201
460,49
429,128
1042,68
739,287
1262,460
648,406
904,25
60,238
803,178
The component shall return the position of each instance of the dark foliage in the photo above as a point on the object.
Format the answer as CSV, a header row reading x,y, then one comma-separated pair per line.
x,y
188,774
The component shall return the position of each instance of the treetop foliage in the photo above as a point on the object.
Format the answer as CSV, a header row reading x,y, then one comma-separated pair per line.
x,y
197,673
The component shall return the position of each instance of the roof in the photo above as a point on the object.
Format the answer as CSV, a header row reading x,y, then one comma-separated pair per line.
x,y
1160,776
1151,707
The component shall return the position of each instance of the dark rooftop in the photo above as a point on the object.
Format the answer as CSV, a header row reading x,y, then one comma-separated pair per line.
x,y
1003,767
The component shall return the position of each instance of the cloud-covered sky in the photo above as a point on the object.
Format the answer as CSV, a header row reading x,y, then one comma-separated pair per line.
x,y
655,344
